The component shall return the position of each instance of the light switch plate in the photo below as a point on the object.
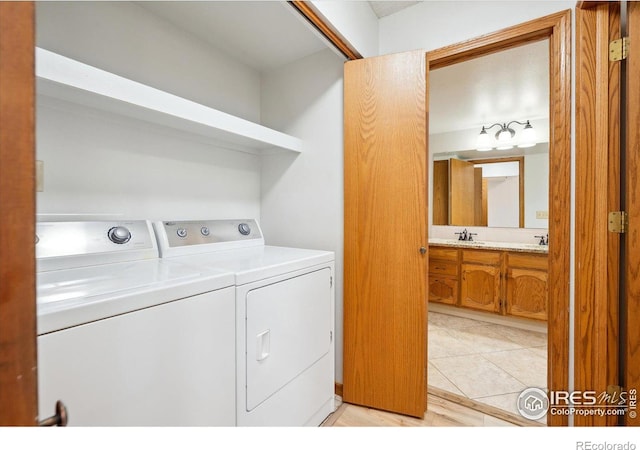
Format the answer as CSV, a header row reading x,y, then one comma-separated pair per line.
x,y
542,214
39,176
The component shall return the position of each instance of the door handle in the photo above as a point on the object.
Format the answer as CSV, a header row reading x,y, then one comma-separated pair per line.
x,y
423,250
60,419
263,344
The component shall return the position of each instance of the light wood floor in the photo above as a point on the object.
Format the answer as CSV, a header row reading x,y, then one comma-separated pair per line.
x,y
440,413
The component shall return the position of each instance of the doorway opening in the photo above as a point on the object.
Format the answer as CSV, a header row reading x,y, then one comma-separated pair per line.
x,y
487,347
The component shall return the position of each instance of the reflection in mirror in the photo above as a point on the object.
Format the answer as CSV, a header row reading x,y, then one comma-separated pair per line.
x,y
494,188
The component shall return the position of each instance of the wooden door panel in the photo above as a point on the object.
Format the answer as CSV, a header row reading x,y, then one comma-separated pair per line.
x,y
385,274
461,188
480,287
527,293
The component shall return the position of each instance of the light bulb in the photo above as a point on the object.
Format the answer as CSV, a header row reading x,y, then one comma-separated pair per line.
x,y
527,137
483,142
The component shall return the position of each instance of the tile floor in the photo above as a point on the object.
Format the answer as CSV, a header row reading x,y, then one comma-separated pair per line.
x,y
486,362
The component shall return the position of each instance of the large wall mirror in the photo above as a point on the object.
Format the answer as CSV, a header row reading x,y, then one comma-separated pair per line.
x,y
489,140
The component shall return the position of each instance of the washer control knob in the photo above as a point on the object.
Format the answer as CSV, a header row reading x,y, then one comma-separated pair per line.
x,y
244,229
205,231
119,235
182,232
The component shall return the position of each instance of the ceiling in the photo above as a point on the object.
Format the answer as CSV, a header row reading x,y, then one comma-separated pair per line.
x,y
261,34
383,9
508,85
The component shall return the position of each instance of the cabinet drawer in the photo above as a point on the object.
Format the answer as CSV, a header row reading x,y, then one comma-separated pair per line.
x,y
437,267
481,257
528,261
447,254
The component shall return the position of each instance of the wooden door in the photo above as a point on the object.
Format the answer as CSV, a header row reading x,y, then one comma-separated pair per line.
x,y
632,264
461,188
18,382
385,226
441,192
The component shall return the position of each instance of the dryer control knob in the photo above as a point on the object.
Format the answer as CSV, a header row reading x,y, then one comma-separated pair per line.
x,y
182,232
119,235
244,229
205,231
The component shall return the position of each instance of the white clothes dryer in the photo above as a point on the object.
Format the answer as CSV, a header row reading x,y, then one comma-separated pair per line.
x,y
284,317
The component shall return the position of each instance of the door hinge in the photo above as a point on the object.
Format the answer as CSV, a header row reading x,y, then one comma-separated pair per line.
x,y
330,281
618,222
619,49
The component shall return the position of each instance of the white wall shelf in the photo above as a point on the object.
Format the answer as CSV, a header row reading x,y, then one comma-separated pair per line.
x,y
66,79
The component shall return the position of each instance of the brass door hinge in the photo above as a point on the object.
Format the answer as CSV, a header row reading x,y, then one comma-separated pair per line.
x,y
619,49
618,222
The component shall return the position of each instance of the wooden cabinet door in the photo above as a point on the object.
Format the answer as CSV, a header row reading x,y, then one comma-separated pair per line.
x,y
527,293
480,287
443,290
385,226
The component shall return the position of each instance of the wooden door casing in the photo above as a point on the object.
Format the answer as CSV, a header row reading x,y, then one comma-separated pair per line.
x,y
385,225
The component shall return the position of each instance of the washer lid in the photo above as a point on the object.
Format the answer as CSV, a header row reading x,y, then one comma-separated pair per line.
x,y
257,263
74,296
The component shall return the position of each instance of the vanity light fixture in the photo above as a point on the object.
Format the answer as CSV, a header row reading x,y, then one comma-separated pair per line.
x,y
504,137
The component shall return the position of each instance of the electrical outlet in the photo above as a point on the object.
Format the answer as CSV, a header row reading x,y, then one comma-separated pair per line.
x,y
542,214
39,176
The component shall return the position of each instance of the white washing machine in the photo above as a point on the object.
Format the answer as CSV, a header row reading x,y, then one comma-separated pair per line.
x,y
284,317
128,339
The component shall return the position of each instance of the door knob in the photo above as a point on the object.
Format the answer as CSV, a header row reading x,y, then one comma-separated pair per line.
x,y
423,250
60,419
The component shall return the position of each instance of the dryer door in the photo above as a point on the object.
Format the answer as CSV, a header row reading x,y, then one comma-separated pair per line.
x,y
288,330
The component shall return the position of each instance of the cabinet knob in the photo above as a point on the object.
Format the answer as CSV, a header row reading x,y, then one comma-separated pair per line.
x,y
423,250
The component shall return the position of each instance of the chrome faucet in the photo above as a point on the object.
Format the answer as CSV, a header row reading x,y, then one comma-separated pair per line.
x,y
465,235
543,240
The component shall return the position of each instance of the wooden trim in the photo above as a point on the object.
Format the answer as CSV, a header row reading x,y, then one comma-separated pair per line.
x,y
597,171
632,263
18,378
483,408
557,28
338,389
590,4
520,160
525,33
307,10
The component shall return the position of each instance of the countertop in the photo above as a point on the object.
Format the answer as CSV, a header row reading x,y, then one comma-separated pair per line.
x,y
488,245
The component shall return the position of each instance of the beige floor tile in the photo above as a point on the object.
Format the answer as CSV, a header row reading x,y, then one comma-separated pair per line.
x,y
435,378
476,377
443,345
522,364
524,338
482,339
540,351
450,322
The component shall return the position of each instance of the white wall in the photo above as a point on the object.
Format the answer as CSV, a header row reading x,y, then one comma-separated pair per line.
x,y
123,38
302,195
536,189
503,202
355,21
434,24
100,163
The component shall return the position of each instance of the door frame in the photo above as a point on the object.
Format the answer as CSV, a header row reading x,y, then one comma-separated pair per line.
x,y
557,28
18,376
